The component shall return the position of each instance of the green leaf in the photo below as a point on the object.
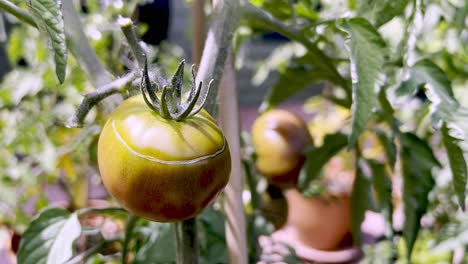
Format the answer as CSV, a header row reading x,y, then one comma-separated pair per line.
x,y
389,145
383,189
417,161
49,238
292,79
450,116
158,245
367,50
460,17
382,11
360,198
425,71
316,158
457,164
211,237
387,111
48,16
407,88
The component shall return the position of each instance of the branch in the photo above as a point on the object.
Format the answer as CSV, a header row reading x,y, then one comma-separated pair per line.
x,y
226,15
321,60
17,12
93,98
126,25
80,47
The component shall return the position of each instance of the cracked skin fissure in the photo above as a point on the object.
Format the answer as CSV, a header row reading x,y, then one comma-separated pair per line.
x,y
161,169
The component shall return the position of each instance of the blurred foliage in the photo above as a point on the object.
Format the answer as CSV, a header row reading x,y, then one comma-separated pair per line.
x,y
399,104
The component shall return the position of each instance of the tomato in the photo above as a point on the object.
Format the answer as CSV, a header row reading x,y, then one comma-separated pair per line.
x,y
279,138
162,169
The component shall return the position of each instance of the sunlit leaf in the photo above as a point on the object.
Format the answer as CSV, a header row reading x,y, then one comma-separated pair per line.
x,y
457,164
49,238
367,51
449,116
49,18
382,11
417,161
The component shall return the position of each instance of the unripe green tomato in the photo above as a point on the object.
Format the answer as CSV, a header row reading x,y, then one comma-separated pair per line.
x,y
280,138
160,169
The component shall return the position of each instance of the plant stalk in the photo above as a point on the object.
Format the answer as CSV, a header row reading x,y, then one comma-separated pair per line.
x,y
19,13
130,225
233,205
127,27
186,241
80,47
226,15
198,28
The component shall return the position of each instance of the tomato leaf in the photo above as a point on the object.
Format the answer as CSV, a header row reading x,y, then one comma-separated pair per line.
x,y
48,16
366,48
49,238
417,161
316,158
457,164
360,198
449,116
211,236
157,243
292,79
389,145
383,188
382,11
407,88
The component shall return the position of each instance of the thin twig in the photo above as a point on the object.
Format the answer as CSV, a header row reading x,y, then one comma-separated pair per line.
x,y
92,98
128,29
19,13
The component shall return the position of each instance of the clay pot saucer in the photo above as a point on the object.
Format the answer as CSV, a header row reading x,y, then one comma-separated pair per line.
x,y
289,235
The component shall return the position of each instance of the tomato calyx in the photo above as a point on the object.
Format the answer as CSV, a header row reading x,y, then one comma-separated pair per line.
x,y
170,105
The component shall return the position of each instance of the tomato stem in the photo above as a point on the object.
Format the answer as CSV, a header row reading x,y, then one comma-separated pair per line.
x,y
130,226
186,242
169,105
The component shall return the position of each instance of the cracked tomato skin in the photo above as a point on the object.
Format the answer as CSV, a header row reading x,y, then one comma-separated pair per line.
x,y
280,138
159,169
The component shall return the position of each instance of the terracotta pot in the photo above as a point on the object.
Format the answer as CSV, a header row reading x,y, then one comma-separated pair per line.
x,y
321,222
